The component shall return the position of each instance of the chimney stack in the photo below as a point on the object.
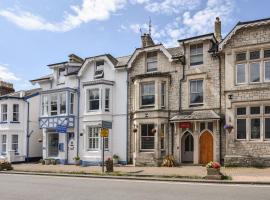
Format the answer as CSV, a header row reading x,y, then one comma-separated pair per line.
x,y
6,88
218,29
147,40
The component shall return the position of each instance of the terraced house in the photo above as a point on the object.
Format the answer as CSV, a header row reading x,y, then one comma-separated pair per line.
x,y
154,75
246,52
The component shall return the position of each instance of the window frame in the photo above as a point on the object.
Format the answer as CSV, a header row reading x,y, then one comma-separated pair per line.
x,y
91,100
190,93
151,60
249,75
15,113
245,75
3,144
71,103
107,99
163,94
46,105
59,102
153,137
95,138
15,143
196,54
264,78
141,94
4,113
61,75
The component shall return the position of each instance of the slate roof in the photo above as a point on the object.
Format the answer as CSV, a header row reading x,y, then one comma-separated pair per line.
x,y
175,51
26,93
196,115
122,61
46,77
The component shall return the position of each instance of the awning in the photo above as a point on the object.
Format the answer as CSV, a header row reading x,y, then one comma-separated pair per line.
x,y
197,116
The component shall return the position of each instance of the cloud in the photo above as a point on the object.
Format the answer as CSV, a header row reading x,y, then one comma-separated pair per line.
x,y
168,6
190,23
90,10
6,74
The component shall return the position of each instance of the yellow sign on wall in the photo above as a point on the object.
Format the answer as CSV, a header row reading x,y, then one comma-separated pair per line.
x,y
104,132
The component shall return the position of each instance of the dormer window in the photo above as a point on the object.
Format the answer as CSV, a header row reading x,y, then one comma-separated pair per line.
x,y
151,62
196,54
99,72
61,75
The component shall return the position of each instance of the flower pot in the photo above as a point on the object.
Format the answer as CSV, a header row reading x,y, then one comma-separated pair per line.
x,y
78,162
135,130
213,171
115,161
47,161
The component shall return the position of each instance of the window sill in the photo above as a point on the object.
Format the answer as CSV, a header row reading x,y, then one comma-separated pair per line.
x,y
3,122
14,122
147,151
144,107
196,105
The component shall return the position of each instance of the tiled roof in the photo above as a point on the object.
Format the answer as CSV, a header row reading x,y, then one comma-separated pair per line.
x,y
196,115
46,77
175,51
21,93
122,61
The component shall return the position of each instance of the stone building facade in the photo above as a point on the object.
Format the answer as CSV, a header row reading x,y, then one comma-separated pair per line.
x,y
246,65
197,136
153,84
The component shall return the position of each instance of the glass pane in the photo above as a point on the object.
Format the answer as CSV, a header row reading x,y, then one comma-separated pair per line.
x,y
241,72
151,66
150,130
199,86
148,100
147,142
202,126
267,110
196,98
267,128
254,72
254,55
267,70
210,126
144,130
241,56
241,111
196,59
255,110
148,88
255,128
193,86
53,145
241,128
267,53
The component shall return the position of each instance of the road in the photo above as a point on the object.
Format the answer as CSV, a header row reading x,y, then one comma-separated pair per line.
x,y
27,187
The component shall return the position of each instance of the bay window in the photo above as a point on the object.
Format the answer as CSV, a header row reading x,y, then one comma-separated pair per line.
x,y
148,94
93,99
196,92
15,117
4,112
147,137
196,54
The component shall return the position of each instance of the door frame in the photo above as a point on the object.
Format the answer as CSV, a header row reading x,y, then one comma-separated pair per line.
x,y
182,142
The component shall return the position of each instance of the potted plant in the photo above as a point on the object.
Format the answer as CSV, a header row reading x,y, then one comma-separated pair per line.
x,y
77,160
53,161
135,130
213,168
115,159
47,161
153,130
228,127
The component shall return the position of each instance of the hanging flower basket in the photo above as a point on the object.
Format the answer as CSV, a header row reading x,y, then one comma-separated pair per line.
x,y
228,127
135,130
153,130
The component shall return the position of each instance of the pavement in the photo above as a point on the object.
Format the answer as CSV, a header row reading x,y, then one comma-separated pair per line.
x,y
245,175
22,187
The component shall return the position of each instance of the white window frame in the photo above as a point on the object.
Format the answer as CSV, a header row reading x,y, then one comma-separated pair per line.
x,y
4,113
71,103
151,60
3,144
141,93
62,96
195,54
249,73
107,99
16,113
163,95
193,80
264,62
95,139
61,75
236,74
45,105
154,135
89,100
55,103
15,143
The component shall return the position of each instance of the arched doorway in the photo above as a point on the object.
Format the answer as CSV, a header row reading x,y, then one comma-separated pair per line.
x,y
187,149
206,147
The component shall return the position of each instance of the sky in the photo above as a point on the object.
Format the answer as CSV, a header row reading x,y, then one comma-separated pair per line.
x,y
35,33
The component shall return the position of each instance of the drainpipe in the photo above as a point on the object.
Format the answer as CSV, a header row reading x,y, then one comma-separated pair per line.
x,y
27,131
78,114
127,128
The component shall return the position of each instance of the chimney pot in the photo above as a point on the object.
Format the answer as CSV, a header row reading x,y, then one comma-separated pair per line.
x,y
218,29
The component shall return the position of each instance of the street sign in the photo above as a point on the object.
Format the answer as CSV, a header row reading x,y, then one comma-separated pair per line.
x,y
61,129
104,132
106,124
